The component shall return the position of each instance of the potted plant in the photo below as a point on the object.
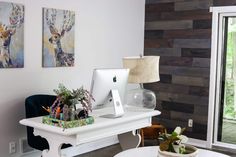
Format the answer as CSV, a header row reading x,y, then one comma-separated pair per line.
x,y
173,145
63,111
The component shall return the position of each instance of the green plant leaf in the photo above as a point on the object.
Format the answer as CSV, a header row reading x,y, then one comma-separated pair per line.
x,y
174,134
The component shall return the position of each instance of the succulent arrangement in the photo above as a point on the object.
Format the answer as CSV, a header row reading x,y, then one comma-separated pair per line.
x,y
173,142
72,97
64,107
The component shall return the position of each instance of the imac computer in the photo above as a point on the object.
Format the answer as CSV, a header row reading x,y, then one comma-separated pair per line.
x,y
108,88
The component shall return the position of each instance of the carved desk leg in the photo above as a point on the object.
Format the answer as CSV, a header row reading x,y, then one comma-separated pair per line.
x,y
54,150
55,142
129,140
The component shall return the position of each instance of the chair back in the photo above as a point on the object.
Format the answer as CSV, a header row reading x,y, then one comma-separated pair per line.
x,y
33,107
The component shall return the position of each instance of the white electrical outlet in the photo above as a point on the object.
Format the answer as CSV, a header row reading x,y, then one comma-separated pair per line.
x,y
190,123
12,147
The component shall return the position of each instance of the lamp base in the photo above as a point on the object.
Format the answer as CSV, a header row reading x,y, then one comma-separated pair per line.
x,y
141,98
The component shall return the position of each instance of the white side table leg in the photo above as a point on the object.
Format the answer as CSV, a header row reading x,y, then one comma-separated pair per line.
x,y
129,140
54,150
55,142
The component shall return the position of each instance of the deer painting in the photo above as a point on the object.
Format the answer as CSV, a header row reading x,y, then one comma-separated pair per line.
x,y
60,23
7,32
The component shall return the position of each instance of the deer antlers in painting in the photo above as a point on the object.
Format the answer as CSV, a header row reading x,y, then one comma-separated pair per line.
x,y
16,18
62,58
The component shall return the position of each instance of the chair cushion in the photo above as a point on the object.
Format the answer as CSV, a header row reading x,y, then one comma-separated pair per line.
x,y
33,107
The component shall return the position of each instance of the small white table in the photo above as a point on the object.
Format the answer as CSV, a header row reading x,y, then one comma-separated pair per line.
x,y
153,152
124,127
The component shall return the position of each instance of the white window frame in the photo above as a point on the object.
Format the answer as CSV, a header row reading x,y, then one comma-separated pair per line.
x,y
218,14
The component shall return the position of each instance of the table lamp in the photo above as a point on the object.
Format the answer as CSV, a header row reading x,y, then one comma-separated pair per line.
x,y
143,69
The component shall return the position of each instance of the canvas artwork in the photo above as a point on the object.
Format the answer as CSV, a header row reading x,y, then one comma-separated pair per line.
x,y
11,35
58,37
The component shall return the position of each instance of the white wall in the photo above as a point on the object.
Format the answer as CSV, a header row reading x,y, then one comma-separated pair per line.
x,y
106,31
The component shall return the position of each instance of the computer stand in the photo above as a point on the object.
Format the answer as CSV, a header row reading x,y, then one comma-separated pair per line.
x,y
117,104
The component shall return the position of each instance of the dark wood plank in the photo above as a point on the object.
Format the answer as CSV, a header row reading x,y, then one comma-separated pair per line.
x,y
176,61
200,119
165,114
196,52
187,34
169,25
185,71
167,88
201,62
159,7
162,51
189,80
153,16
193,5
183,98
200,91
157,43
192,43
202,24
186,15
201,110
165,78
180,15
179,107
171,124
154,34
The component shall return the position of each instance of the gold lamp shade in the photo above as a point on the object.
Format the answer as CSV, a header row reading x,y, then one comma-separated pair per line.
x,y
143,69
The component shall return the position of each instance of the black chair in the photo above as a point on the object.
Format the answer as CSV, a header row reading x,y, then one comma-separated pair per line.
x,y
33,107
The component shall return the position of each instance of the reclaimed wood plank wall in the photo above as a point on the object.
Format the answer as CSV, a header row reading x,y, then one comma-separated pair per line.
x,y
180,32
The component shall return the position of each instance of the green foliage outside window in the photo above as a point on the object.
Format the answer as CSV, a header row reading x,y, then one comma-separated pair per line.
x,y
229,111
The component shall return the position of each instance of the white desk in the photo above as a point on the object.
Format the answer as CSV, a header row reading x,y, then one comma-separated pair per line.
x,y
153,152
124,127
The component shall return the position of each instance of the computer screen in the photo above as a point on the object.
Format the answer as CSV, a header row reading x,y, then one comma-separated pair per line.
x,y
108,88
